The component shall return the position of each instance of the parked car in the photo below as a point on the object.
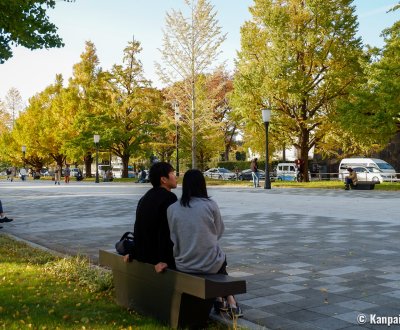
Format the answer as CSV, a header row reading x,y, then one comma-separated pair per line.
x,y
366,162
246,175
220,173
369,173
117,171
44,172
389,173
74,172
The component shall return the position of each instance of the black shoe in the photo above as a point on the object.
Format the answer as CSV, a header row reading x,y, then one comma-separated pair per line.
x,y
1,227
220,306
5,219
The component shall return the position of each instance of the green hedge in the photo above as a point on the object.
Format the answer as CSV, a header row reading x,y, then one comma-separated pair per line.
x,y
244,165
241,165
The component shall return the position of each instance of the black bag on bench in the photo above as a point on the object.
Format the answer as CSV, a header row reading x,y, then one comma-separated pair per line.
x,y
126,244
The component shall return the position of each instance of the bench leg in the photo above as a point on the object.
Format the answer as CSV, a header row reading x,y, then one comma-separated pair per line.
x,y
193,312
139,295
180,310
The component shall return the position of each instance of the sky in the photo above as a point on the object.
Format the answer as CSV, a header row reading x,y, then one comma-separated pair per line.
x,y
111,24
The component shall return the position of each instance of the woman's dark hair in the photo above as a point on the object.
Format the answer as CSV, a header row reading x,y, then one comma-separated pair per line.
x,y
193,185
159,170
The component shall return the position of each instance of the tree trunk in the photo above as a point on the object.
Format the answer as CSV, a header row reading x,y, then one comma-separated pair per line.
x,y
226,152
59,159
125,163
284,152
194,165
305,136
201,160
88,164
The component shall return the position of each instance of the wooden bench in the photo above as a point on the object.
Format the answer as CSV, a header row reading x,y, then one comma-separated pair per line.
x,y
179,299
364,185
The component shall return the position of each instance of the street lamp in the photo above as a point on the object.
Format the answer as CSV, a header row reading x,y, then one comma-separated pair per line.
x,y
23,148
266,115
96,139
177,117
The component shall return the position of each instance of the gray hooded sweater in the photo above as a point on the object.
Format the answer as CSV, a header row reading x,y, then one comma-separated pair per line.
x,y
195,231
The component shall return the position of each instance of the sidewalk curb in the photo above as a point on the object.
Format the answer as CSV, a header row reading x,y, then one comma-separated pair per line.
x,y
241,322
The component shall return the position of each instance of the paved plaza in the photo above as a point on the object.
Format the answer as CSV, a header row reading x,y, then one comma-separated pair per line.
x,y
312,259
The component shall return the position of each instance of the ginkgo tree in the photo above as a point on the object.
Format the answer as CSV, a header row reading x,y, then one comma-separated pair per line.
x,y
4,134
86,89
128,120
215,128
299,58
36,129
370,118
5,118
13,104
191,45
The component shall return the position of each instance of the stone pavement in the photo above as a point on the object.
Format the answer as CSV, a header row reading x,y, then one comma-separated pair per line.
x,y
312,259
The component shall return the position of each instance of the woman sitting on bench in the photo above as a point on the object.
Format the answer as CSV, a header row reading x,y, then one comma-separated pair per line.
x,y
195,226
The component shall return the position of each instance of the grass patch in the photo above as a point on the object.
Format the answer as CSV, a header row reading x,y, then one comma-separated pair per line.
x,y
392,186
41,291
389,186
312,184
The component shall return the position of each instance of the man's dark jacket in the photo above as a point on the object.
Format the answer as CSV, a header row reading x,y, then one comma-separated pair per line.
x,y
152,238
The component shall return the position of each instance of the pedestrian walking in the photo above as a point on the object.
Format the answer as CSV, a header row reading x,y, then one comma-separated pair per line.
x,y
57,174
8,172
22,173
255,173
67,173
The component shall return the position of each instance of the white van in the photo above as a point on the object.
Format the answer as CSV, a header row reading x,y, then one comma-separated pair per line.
x,y
287,172
117,172
373,163
103,169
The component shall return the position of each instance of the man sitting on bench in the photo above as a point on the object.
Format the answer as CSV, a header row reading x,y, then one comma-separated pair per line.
x,y
351,179
151,232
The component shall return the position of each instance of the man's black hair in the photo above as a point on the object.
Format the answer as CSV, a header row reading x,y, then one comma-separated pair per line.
x,y
159,170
